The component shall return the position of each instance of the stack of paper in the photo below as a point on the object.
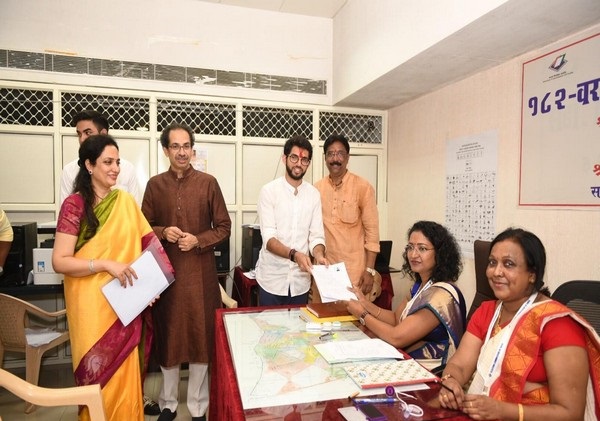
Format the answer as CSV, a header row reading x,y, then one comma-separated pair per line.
x,y
362,349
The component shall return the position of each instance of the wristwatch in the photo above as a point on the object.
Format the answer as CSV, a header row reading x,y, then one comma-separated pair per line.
x,y
361,319
371,271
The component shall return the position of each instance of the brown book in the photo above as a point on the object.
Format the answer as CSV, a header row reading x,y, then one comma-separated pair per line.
x,y
327,310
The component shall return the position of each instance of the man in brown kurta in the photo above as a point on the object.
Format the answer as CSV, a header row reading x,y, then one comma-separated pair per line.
x,y
186,209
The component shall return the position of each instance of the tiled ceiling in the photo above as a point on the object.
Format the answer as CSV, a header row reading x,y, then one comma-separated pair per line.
x,y
319,8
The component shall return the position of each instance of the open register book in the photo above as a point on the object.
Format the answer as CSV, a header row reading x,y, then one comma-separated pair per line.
x,y
154,276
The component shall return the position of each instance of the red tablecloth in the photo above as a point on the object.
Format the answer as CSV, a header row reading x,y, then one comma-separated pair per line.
x,y
245,290
226,402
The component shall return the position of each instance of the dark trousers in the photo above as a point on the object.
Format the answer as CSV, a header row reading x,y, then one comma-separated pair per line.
x,y
267,299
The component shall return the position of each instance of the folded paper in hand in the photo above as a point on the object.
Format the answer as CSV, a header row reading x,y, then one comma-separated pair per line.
x,y
153,278
333,282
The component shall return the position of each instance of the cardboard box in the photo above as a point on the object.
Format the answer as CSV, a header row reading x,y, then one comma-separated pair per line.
x,y
50,278
42,260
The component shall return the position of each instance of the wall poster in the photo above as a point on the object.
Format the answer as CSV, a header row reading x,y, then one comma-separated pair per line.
x,y
560,127
471,167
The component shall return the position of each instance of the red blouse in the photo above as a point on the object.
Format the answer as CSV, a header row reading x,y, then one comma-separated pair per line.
x,y
562,331
71,213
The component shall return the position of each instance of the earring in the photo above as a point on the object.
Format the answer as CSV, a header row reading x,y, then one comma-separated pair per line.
x,y
91,172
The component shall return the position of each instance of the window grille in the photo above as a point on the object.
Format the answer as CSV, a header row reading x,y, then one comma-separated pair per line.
x,y
202,117
358,128
26,107
123,113
277,123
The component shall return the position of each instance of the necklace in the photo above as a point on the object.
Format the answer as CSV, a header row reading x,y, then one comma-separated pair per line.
x,y
100,199
497,327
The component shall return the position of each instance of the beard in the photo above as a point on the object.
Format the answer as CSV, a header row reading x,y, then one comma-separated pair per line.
x,y
295,176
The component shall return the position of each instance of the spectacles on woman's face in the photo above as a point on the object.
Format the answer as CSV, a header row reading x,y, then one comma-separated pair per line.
x,y
418,248
294,159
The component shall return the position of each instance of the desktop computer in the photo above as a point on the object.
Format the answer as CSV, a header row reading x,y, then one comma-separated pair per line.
x,y
19,261
222,256
251,244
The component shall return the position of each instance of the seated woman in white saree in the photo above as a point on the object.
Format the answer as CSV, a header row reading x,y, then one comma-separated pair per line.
x,y
532,357
429,324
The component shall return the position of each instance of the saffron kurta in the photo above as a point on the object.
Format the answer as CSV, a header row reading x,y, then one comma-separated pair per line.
x,y
184,314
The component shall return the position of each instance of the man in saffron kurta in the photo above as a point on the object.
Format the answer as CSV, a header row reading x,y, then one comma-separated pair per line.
x,y
350,215
186,209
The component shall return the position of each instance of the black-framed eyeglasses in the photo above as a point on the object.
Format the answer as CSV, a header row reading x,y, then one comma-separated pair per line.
x,y
333,154
294,159
175,147
420,249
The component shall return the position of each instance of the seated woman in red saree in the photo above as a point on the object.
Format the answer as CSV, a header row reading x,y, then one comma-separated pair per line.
x,y
99,233
532,357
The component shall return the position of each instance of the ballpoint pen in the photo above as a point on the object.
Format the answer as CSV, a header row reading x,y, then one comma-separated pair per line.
x,y
362,401
325,335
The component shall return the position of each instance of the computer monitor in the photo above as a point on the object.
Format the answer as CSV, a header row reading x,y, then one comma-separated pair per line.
x,y
382,262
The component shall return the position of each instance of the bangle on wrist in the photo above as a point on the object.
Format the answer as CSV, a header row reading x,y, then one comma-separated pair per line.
x,y
521,414
378,313
91,266
292,255
446,377
163,233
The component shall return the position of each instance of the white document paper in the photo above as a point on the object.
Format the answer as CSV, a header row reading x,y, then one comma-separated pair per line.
x,y
333,282
362,349
131,301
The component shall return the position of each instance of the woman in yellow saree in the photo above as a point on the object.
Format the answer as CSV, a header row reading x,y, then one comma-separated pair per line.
x,y
99,233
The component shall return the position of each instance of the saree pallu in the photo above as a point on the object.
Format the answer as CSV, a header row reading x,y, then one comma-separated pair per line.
x,y
447,303
522,351
104,351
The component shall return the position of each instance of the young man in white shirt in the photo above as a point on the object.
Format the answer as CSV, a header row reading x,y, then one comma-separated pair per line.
x,y
291,227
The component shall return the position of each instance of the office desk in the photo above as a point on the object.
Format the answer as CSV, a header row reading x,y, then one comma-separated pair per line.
x,y
245,290
226,400
29,290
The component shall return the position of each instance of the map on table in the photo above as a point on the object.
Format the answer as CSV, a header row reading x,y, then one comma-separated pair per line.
x,y
276,362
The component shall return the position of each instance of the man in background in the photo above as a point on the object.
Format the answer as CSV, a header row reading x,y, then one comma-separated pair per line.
x,y
350,215
291,227
187,211
6,239
87,123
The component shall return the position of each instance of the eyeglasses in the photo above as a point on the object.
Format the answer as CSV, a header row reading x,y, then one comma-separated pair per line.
x,y
418,248
294,158
333,154
175,147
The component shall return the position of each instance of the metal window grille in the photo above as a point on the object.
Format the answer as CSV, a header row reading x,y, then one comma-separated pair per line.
x,y
278,123
26,107
202,117
358,128
123,112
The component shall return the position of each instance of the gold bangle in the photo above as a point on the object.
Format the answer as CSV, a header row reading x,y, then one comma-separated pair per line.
x,y
91,266
521,414
446,377
378,313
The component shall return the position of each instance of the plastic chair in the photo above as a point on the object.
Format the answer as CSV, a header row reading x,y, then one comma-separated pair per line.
x,y
18,336
484,292
89,396
582,297
227,301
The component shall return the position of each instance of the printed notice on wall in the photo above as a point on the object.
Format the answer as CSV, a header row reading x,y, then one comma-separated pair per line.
x,y
560,126
471,167
199,158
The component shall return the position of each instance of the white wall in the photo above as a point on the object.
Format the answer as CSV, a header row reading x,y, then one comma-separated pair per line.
x,y
490,100
373,37
177,32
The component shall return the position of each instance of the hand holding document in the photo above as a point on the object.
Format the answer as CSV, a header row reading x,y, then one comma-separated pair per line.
x,y
333,282
153,279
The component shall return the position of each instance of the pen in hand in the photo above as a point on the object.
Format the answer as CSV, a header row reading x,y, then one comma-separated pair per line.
x,y
446,387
